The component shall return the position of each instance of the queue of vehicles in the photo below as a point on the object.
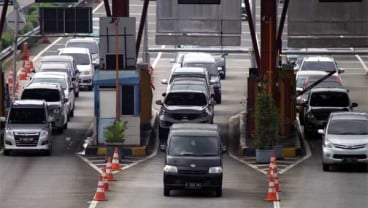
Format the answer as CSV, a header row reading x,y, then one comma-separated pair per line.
x,y
47,102
325,108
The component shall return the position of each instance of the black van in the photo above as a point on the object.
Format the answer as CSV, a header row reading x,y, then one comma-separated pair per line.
x,y
193,158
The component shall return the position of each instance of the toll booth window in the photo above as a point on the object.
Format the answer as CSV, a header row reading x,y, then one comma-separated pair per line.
x,y
127,100
199,1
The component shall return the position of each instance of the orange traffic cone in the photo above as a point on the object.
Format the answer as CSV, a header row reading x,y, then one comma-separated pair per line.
x,y
45,39
105,183
273,164
115,160
272,171
25,54
100,192
109,175
272,195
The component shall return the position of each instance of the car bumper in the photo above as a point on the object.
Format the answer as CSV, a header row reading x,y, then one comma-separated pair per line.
x,y
167,121
38,144
85,81
344,156
185,181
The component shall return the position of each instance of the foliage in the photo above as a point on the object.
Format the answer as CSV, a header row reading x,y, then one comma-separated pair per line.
x,y
267,121
115,132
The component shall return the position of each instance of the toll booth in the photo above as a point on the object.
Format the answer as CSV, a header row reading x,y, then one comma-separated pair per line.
x,y
104,87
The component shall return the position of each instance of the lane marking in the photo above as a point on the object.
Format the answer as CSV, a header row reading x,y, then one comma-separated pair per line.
x,y
362,63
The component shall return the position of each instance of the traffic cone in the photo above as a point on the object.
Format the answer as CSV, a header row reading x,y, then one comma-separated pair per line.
x,y
25,54
115,160
100,192
272,195
273,164
105,181
45,39
109,175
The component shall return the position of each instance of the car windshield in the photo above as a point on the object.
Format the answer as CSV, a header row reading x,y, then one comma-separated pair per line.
x,y
319,66
186,99
193,146
329,99
50,95
80,58
348,127
60,81
179,75
90,45
27,115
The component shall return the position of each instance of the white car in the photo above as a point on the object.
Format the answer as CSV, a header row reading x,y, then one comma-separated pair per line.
x,y
319,63
85,66
65,82
89,43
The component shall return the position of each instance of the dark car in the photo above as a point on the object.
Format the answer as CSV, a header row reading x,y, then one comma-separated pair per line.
x,y
320,103
193,158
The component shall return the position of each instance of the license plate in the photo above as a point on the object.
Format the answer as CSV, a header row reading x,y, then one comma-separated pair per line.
x,y
350,160
28,140
191,185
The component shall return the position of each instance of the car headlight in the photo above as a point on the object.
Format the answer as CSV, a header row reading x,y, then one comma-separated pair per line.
x,y
327,143
170,169
9,133
310,116
56,110
44,133
217,169
86,73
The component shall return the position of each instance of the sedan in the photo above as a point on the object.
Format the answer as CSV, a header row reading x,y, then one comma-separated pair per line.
x,y
345,139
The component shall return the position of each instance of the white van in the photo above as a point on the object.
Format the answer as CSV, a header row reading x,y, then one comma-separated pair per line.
x,y
85,66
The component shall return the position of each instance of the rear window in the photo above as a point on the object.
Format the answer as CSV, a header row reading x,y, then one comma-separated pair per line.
x,y
319,66
194,146
348,127
209,66
186,99
80,58
93,48
60,81
329,99
50,95
27,115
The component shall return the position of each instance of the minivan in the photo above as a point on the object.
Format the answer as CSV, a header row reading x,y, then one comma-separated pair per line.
x,y
193,158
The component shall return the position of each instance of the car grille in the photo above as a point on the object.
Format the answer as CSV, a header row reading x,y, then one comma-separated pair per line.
x,y
26,139
351,147
182,116
193,172
339,156
85,81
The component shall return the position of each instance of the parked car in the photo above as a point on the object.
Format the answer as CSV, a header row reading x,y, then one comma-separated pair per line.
x,y
320,103
27,127
89,43
187,100
65,83
205,60
243,12
85,66
319,63
71,62
193,158
345,139
56,101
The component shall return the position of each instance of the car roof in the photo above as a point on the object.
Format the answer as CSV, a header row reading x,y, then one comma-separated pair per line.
x,y
189,70
40,85
50,74
74,50
84,40
185,84
28,102
198,57
319,58
54,66
349,115
57,58
311,72
332,89
198,129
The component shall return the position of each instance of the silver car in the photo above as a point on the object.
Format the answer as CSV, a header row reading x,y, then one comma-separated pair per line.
x,y
345,139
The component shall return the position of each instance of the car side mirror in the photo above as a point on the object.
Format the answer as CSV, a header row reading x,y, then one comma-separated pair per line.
x,y
172,61
341,71
353,105
2,122
163,94
164,81
159,102
321,131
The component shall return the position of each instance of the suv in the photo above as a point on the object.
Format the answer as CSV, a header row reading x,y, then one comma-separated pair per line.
x,y
193,158
320,103
85,66
187,100
71,62
205,60
65,83
27,127
56,101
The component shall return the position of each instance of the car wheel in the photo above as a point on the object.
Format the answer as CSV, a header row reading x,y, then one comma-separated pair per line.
x,y
301,119
166,191
218,99
72,113
48,152
326,167
6,152
219,192
89,88
162,133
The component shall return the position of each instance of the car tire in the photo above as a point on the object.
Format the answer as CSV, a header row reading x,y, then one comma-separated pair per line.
x,y
218,99
6,152
48,152
89,88
223,76
326,167
219,192
72,113
166,191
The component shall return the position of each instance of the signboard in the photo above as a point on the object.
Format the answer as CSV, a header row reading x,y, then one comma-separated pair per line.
x,y
117,38
198,22
10,20
10,2
65,19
